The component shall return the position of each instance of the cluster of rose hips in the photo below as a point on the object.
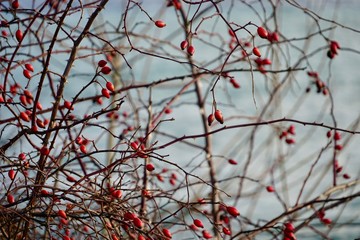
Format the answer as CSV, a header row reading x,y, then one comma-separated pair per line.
x,y
4,33
109,86
82,142
320,85
131,219
184,44
337,137
24,164
232,80
334,47
272,37
217,115
139,147
26,99
321,215
286,135
189,48
64,222
289,231
175,3
228,210
172,179
338,147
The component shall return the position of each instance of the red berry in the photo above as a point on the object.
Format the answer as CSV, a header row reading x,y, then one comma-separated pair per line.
x,y
232,211
256,51
291,129
175,3
23,100
102,63
44,192
289,226
141,237
15,4
27,74
313,74
134,145
270,189
138,223
262,70
219,116
28,94
10,198
167,232
110,86
172,181
64,221
191,50
24,116
330,54
328,134
184,44
262,32
116,193
193,227
67,104
22,156
273,37
338,147
321,213
19,35
98,100
226,219
44,151
231,32
234,83
62,214
11,174
339,169
326,221
210,119
336,44
83,149
159,177
290,141
160,24
206,234
105,93
29,67
79,140
39,106
198,223
106,70
337,136
129,216
346,176
266,61
232,161
150,167
226,231
334,47
167,110
70,178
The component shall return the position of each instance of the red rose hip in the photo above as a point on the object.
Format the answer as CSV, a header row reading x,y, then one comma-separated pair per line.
x,y
262,32
219,117
160,24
